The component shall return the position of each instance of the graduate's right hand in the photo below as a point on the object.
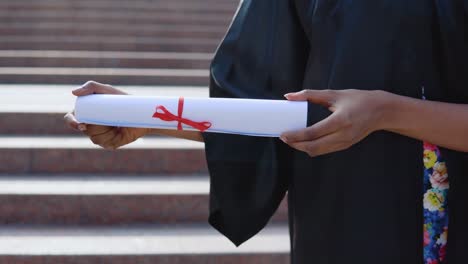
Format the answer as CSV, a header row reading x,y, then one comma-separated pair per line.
x,y
105,136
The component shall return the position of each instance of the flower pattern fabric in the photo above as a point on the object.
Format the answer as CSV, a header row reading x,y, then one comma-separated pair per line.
x,y
436,186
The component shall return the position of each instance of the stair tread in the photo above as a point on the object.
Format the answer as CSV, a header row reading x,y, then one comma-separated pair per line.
x,y
101,71
58,98
110,39
223,6
105,54
99,185
151,27
141,240
114,16
81,142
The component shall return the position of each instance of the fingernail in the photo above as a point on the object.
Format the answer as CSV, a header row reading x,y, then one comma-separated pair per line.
x,y
284,139
287,95
82,127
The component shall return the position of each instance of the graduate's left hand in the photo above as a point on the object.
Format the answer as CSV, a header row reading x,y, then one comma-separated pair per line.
x,y
355,114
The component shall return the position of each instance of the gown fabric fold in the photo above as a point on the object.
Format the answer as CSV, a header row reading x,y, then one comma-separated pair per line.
x,y
363,204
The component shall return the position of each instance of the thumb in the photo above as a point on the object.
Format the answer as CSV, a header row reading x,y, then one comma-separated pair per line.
x,y
92,87
322,97
84,90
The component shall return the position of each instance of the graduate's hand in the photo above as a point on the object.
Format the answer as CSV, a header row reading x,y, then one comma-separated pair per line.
x,y
105,136
355,114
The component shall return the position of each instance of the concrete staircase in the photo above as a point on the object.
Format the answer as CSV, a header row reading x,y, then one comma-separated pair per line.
x,y
64,200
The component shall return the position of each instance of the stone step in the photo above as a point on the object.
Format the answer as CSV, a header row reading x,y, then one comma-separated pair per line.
x,y
39,109
115,16
106,200
150,27
45,98
180,6
62,155
108,43
104,59
116,76
102,31
195,244
228,13
30,124
112,27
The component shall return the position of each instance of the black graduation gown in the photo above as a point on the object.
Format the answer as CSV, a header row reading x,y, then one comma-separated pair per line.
x,y
362,205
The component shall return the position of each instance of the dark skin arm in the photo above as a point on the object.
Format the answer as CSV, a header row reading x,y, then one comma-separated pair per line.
x,y
358,113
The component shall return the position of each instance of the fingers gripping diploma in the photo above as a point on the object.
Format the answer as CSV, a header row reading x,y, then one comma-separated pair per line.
x,y
355,114
105,136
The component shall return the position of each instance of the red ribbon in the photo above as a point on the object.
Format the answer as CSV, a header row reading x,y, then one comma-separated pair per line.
x,y
165,115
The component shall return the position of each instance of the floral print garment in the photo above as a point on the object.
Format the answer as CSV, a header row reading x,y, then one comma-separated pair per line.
x,y
436,186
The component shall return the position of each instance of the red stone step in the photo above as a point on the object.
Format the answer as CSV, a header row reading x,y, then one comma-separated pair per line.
x,y
30,124
116,76
181,6
104,59
194,244
116,16
34,124
61,155
110,43
159,31
108,200
228,12
103,25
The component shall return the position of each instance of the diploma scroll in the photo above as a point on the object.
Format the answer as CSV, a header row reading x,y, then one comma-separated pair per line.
x,y
251,117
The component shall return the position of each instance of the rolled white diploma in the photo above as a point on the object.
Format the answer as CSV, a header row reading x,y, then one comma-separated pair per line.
x,y
253,117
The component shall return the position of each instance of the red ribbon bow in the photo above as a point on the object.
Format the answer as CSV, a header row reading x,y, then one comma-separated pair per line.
x,y
165,115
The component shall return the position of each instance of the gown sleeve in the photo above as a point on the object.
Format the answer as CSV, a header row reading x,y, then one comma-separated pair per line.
x,y
263,55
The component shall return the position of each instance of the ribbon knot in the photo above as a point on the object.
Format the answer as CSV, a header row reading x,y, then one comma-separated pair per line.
x,y
165,115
